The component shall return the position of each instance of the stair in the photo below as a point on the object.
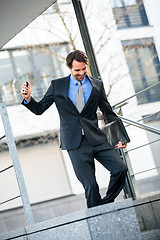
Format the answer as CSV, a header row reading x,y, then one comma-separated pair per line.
x,y
69,219
114,221
151,235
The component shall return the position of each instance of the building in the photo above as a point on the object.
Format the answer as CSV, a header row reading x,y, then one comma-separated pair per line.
x,y
127,51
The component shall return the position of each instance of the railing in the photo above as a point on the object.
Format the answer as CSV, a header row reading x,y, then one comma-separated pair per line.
x,y
131,182
125,154
140,125
124,102
3,170
16,165
130,186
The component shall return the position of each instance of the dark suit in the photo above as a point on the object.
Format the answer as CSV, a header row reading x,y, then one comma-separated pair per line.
x,y
72,122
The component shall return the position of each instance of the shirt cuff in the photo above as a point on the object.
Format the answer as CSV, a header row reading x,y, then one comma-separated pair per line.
x,y
25,102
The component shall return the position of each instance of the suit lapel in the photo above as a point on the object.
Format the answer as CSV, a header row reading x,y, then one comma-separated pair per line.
x,y
92,93
65,93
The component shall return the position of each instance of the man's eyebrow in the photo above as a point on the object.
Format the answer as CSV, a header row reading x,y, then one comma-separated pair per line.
x,y
77,69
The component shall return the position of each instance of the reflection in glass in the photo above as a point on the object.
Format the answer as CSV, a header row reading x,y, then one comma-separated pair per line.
x,y
144,68
38,65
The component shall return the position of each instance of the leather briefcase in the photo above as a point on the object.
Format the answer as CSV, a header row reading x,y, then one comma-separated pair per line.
x,y
115,132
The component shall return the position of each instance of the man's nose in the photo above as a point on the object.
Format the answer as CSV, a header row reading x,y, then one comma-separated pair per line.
x,y
81,72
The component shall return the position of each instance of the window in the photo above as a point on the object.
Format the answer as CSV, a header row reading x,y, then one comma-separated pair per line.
x,y
144,67
122,3
129,13
36,64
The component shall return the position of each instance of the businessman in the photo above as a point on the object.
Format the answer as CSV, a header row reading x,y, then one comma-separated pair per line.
x,y
77,98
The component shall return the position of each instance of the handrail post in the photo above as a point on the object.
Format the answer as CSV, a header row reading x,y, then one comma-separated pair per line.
x,y
130,189
16,163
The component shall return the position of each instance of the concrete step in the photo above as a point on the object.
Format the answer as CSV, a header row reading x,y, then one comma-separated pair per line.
x,y
45,210
114,221
147,211
151,235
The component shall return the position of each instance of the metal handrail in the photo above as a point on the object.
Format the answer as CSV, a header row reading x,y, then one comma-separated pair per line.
x,y
140,125
16,164
11,199
145,171
5,169
144,145
2,137
134,95
148,116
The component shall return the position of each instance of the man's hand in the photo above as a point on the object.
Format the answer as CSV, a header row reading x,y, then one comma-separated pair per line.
x,y
26,91
122,145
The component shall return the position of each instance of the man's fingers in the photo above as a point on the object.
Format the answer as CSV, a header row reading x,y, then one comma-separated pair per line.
x,y
122,145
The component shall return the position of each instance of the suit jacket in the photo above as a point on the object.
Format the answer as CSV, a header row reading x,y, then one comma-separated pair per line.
x,y
71,121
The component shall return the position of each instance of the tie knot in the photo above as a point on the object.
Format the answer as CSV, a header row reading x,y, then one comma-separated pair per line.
x,y
79,83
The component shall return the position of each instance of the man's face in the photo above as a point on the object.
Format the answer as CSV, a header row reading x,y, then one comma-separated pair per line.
x,y
78,70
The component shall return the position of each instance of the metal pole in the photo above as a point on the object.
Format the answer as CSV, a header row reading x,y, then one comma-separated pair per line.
x,y
86,38
16,164
140,125
117,105
130,189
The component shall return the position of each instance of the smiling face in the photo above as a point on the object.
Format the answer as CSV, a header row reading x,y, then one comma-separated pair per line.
x,y
78,70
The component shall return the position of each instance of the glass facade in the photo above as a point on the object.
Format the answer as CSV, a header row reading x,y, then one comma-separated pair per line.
x,y
38,65
144,68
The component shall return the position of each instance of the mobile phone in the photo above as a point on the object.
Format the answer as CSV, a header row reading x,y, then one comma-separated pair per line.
x,y
26,86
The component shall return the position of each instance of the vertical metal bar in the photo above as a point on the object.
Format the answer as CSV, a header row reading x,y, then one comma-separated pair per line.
x,y
16,164
129,189
86,38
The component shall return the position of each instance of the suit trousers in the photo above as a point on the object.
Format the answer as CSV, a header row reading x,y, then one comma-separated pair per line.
x,y
83,163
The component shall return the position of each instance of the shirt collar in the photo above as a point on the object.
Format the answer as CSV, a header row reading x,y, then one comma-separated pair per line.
x,y
75,82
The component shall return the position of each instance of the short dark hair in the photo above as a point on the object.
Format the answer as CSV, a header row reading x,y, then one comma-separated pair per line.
x,y
78,56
